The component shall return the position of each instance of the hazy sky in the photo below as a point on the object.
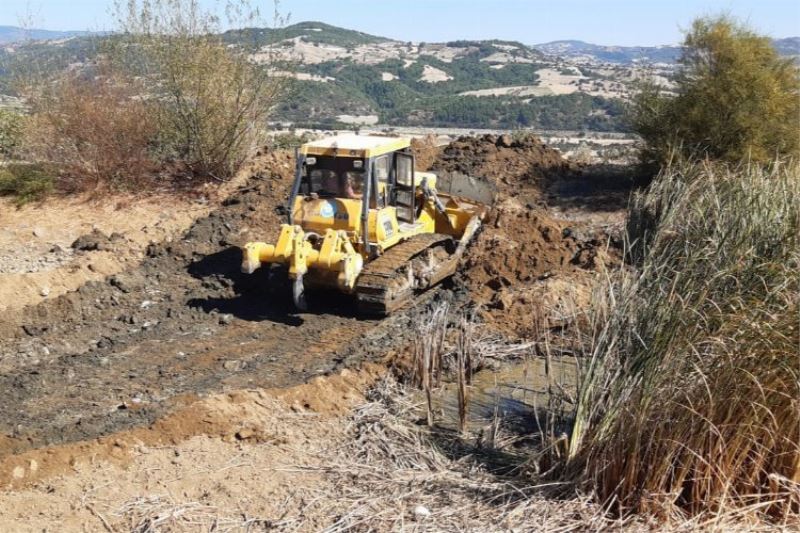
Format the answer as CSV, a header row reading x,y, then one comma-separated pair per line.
x,y
623,22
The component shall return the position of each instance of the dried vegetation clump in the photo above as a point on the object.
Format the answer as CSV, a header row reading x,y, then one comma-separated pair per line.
x,y
92,133
689,401
167,102
394,474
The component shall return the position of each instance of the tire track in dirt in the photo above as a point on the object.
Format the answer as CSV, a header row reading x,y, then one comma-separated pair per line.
x,y
77,397
123,352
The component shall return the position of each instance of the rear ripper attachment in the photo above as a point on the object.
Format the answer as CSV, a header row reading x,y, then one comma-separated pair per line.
x,y
362,221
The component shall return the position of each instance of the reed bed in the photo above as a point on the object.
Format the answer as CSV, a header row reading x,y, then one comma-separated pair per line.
x,y
689,397
395,475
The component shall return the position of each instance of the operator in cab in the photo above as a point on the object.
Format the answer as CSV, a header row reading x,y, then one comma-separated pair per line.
x,y
344,184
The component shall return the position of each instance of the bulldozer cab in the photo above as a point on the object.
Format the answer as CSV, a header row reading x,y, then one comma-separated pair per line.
x,y
349,165
341,180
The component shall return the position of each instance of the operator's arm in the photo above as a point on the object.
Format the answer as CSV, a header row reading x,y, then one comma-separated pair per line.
x,y
348,190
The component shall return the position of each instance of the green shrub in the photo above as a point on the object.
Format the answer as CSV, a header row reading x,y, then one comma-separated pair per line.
x,y
26,183
10,133
736,99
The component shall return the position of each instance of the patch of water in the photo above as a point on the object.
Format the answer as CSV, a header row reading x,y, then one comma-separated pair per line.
x,y
520,393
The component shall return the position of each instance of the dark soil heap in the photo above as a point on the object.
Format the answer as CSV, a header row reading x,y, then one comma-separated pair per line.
x,y
512,163
522,249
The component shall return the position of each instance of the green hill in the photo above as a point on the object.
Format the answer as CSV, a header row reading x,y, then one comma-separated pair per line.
x,y
317,32
423,84
343,73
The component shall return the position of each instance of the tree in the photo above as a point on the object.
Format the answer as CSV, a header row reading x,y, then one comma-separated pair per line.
x,y
736,98
214,97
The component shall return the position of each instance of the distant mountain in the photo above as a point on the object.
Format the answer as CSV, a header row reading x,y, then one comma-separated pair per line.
x,y
610,54
13,34
343,77
790,46
340,77
310,31
629,55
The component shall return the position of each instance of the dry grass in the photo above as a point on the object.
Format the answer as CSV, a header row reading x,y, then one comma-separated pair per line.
x,y
395,475
159,513
390,473
431,331
689,404
441,334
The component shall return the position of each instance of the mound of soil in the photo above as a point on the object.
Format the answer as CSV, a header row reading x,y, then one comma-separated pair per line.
x,y
96,240
517,266
426,151
515,164
509,266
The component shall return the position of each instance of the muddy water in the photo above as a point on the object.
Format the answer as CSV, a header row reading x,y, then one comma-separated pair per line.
x,y
519,393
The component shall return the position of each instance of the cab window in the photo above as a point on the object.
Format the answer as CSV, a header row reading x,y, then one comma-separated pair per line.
x,y
353,184
333,177
325,182
382,168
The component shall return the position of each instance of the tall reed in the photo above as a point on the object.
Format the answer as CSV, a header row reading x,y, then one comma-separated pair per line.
x,y
430,330
689,400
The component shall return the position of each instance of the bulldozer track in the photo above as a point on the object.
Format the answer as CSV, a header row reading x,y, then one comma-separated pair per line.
x,y
385,284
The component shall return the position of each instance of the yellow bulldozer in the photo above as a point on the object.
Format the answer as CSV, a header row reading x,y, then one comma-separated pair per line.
x,y
361,220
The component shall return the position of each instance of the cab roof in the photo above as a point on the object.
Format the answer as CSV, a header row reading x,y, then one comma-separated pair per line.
x,y
363,146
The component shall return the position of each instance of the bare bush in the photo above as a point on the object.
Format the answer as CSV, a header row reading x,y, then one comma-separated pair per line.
x,y
166,96
212,99
97,130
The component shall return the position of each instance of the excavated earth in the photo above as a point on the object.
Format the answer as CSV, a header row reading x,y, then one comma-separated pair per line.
x,y
528,266
184,323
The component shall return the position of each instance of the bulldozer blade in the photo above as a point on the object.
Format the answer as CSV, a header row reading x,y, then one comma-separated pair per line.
x,y
471,188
